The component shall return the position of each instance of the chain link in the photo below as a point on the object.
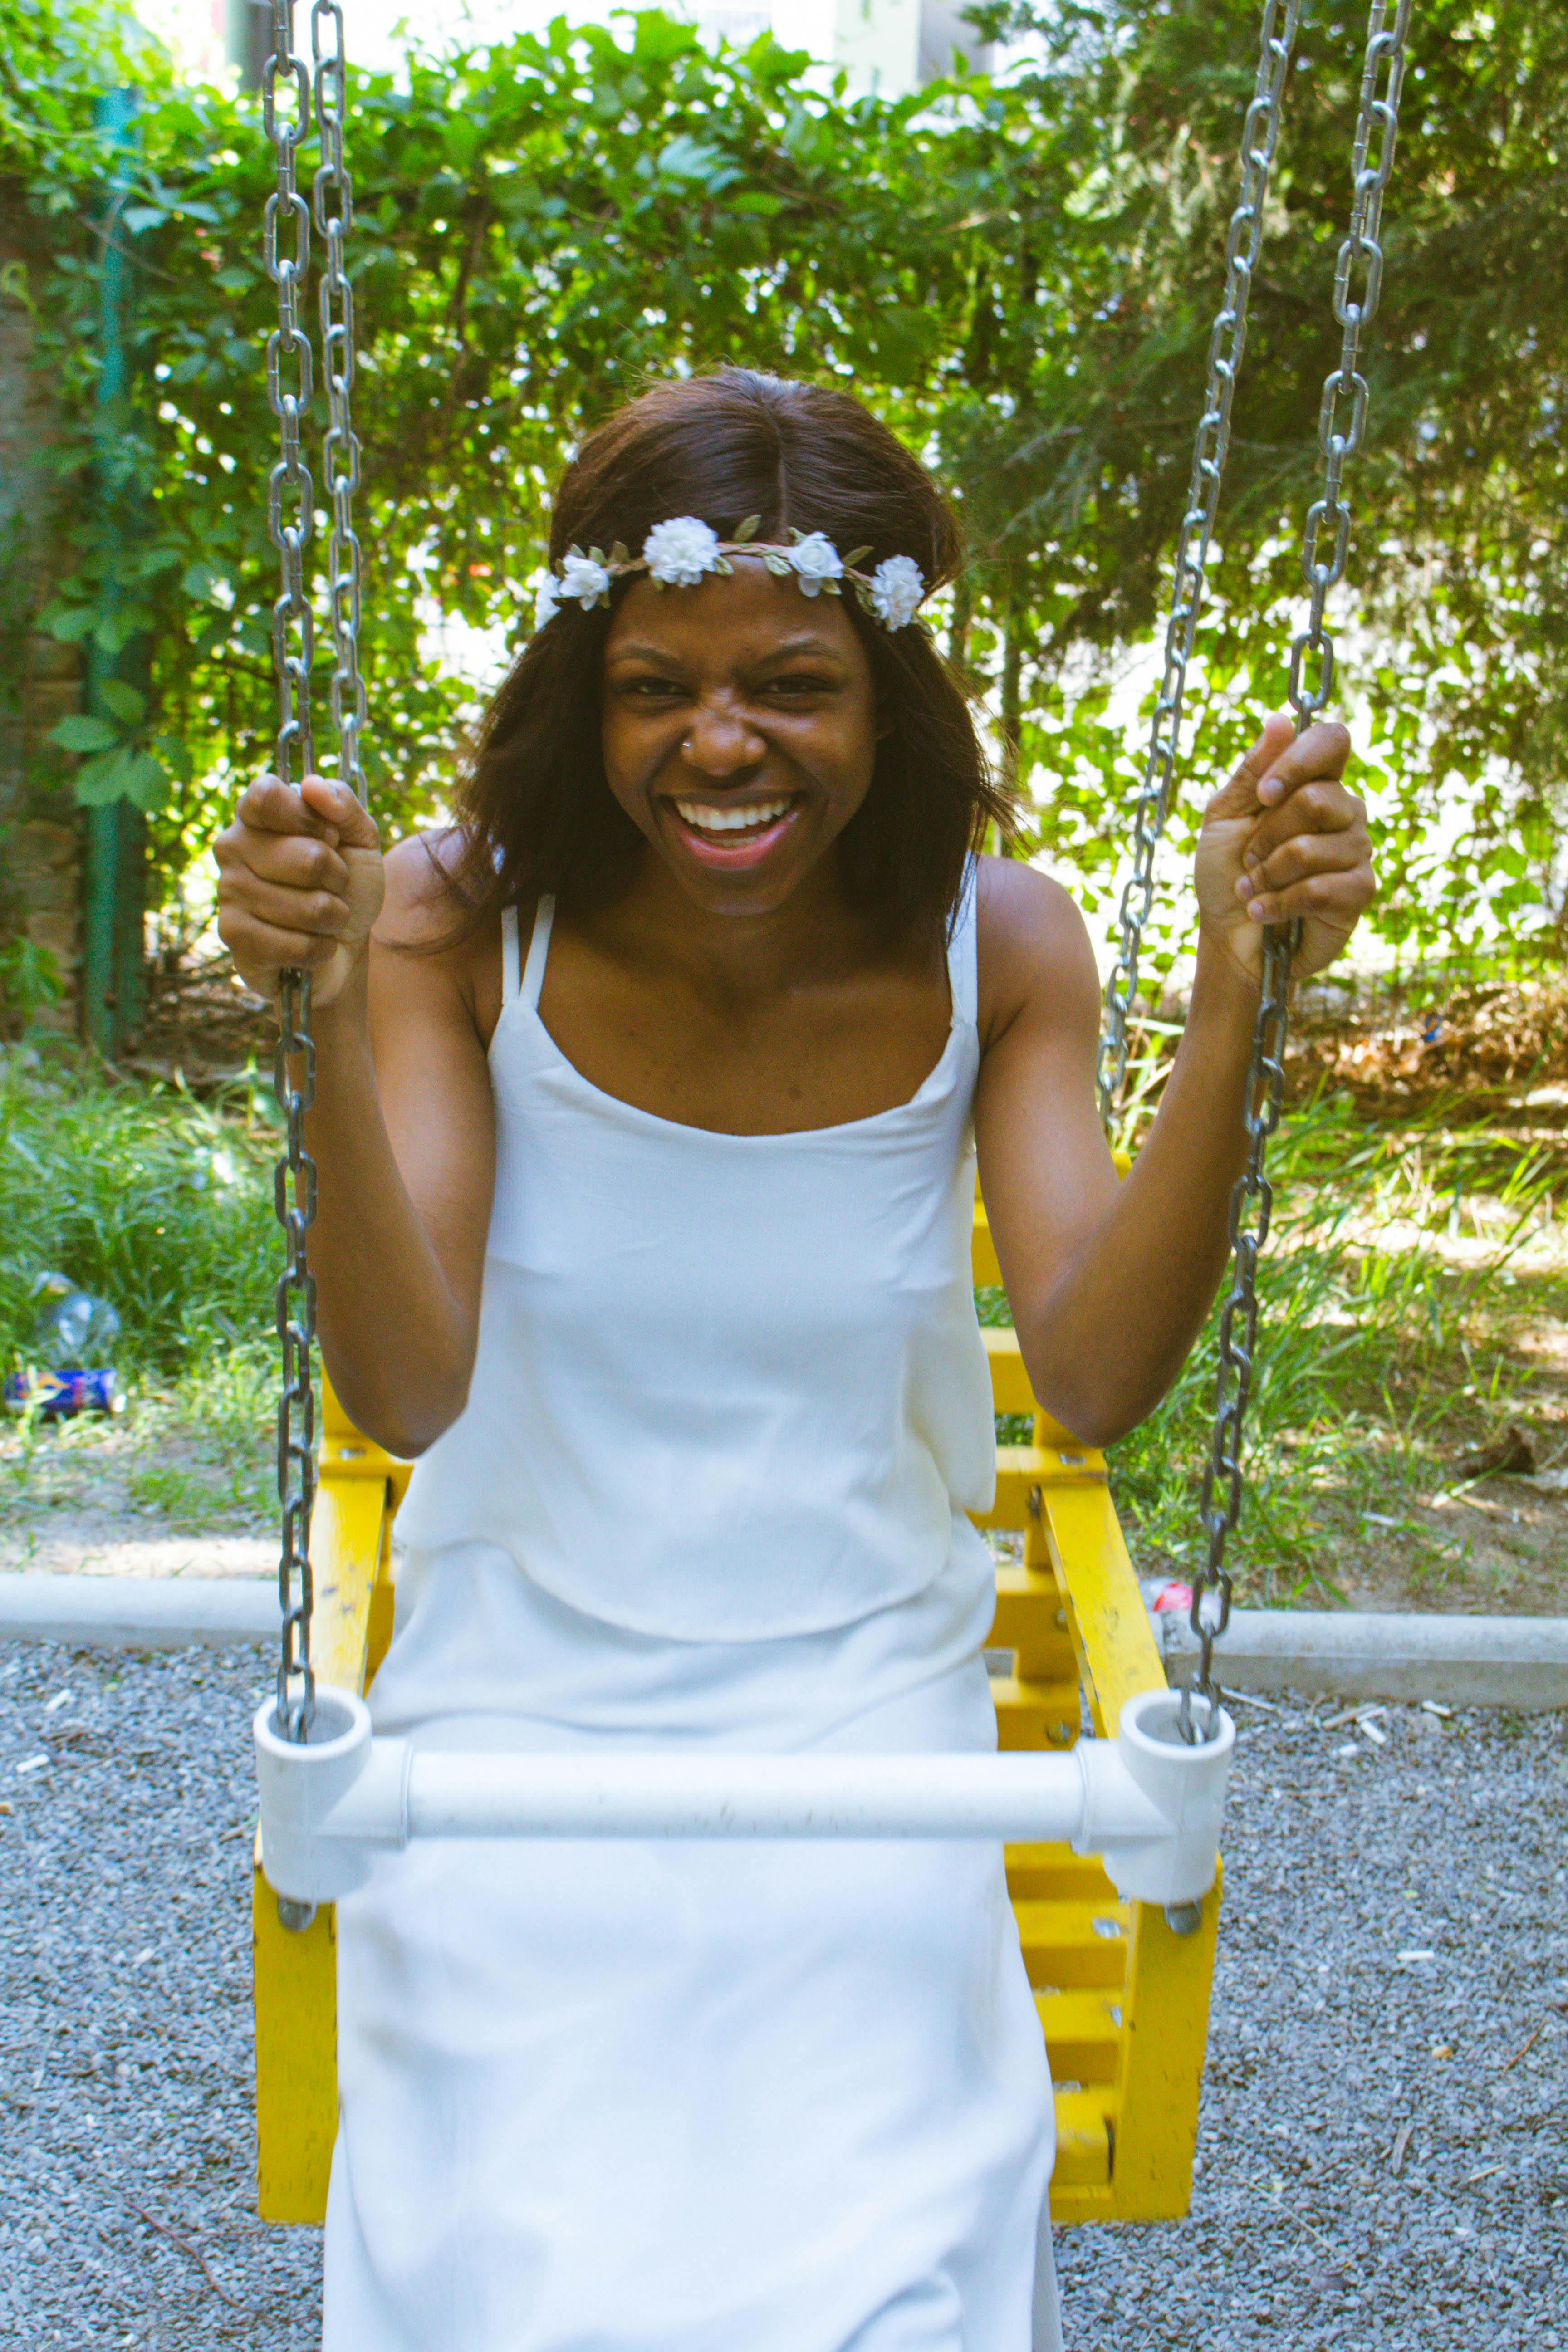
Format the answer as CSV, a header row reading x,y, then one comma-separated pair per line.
x,y
1339,437
333,200
289,508
1260,138
294,1198
1341,416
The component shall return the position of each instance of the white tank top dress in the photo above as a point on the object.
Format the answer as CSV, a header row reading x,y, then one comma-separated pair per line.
x,y
728,1410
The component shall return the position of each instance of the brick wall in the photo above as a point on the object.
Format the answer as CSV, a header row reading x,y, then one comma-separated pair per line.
x,y
40,828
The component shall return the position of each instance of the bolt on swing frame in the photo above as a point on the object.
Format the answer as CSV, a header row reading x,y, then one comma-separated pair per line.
x,y
330,1793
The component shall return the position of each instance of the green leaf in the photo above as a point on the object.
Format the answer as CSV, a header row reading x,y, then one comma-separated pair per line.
x,y
79,732
98,781
122,775
748,530
689,160
145,782
68,623
124,701
175,754
112,631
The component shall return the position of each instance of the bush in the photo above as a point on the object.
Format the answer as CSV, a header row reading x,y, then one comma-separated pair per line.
x,y
159,1203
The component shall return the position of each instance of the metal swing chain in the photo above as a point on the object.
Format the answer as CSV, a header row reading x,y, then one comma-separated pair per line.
x,y
341,453
293,643
1341,431
1260,138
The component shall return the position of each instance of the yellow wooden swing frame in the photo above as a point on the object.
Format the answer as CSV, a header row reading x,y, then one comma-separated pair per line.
x,y
1123,2002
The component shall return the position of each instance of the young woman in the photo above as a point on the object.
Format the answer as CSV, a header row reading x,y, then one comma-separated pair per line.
x,y
648,1101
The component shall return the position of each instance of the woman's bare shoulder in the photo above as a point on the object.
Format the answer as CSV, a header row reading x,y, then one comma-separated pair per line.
x,y
427,930
423,906
1034,949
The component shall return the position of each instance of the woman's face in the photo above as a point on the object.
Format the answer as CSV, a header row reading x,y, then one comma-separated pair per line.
x,y
739,730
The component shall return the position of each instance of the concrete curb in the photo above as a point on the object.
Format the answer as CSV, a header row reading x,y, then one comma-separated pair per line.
x,y
138,1612
1516,1661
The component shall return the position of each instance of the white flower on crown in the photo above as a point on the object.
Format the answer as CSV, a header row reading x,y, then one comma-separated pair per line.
x,y
898,586
677,553
816,561
584,578
546,600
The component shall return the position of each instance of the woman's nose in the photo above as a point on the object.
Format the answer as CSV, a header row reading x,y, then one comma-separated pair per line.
x,y
722,741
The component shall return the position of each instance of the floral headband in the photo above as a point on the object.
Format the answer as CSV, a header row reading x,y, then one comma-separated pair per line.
x,y
677,554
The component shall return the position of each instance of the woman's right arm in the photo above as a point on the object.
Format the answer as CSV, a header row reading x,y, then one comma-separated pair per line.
x,y
402,1127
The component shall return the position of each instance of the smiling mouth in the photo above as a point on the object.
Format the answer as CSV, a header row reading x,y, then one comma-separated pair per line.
x,y
730,827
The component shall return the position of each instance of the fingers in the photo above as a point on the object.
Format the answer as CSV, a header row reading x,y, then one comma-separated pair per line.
x,y
285,882
293,861
346,818
261,951
1326,874
1280,762
1239,796
315,914
1313,808
319,810
1323,750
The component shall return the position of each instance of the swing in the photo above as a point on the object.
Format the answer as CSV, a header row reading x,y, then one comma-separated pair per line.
x,y
1122,1981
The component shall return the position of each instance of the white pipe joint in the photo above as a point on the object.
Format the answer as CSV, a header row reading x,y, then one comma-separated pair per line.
x,y
1146,1801
306,1854
1176,1862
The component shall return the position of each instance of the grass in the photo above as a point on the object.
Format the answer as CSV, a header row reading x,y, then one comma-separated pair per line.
x,y
148,1198
1396,1308
161,1204
1413,1302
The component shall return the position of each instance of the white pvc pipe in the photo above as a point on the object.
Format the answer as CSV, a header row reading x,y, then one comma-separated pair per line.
x,y
1147,1801
923,1796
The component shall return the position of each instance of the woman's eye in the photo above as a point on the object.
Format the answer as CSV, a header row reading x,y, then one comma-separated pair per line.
x,y
797,684
650,689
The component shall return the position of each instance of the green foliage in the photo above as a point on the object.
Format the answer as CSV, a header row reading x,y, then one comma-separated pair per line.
x,y
1368,1374
158,1204
1375,1365
1097,321
58,57
1020,277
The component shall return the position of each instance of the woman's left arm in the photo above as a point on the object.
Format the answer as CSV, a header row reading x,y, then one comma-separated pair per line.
x,y
1110,1282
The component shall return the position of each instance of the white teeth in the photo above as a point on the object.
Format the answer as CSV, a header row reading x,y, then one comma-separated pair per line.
x,y
703,817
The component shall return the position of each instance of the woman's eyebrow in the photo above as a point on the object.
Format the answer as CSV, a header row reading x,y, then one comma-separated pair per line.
x,y
790,650
792,647
634,652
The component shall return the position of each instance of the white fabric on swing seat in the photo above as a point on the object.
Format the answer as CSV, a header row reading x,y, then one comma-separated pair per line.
x,y
688,2096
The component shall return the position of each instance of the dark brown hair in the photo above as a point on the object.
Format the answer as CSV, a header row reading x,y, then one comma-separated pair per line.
x,y
534,807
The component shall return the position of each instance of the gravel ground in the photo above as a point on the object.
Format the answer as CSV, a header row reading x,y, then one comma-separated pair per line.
x,y
1384,2148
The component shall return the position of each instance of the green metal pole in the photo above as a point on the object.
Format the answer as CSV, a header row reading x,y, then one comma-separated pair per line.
x,y
113,978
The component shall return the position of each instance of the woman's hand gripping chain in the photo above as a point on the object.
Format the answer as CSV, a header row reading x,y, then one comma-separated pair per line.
x,y
1285,841
300,885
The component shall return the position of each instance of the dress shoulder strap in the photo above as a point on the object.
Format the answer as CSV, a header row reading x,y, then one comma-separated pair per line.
x,y
508,956
533,976
962,950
